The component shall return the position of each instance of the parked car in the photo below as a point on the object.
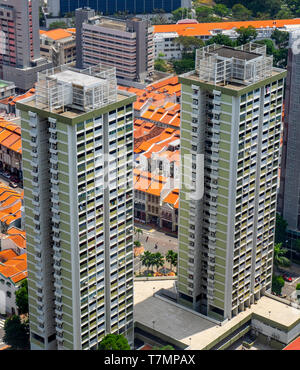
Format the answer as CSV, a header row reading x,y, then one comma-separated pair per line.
x,y
7,175
13,184
287,278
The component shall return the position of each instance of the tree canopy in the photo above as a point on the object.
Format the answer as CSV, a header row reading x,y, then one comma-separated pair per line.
x,y
114,342
58,24
16,333
22,297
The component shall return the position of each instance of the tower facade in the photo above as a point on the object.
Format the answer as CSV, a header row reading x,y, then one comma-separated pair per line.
x,y
77,140
289,200
230,138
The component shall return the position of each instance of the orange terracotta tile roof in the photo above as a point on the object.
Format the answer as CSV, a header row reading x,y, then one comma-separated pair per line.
x,y
18,236
204,29
57,34
172,198
10,136
293,346
14,267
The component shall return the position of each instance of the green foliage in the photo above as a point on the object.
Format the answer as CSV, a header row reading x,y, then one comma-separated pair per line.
x,y
159,19
280,229
16,333
279,256
147,259
181,13
221,10
164,348
137,243
186,64
58,24
158,260
298,286
221,40
203,13
172,258
281,38
138,232
189,43
160,65
246,34
22,297
277,284
114,342
240,12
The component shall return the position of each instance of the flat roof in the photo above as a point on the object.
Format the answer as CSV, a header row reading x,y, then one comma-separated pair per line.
x,y
228,52
181,324
77,78
71,113
193,76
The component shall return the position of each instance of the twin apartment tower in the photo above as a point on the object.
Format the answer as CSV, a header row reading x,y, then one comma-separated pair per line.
x,y
77,138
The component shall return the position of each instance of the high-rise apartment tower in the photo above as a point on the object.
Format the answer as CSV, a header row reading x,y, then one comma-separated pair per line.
x,y
230,138
289,199
77,141
20,58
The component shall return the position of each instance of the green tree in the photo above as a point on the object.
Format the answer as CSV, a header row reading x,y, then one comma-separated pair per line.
x,y
147,259
241,13
284,14
184,65
58,24
246,34
160,65
158,260
168,347
159,19
279,256
271,50
203,12
189,43
114,342
172,257
221,40
137,243
16,333
281,38
22,297
280,229
221,10
138,232
277,284
181,13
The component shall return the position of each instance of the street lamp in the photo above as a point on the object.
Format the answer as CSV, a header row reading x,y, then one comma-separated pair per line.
x,y
153,291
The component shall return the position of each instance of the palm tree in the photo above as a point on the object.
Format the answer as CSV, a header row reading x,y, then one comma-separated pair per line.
x,y
171,257
138,232
147,259
279,256
137,243
158,260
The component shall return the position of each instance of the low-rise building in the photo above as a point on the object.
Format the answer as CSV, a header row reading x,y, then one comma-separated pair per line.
x,y
58,46
10,148
13,270
7,89
165,36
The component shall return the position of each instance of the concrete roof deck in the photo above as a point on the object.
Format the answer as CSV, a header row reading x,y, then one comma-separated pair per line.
x,y
230,85
71,112
181,324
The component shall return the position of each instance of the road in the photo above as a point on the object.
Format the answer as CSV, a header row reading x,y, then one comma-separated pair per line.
x,y
6,182
152,237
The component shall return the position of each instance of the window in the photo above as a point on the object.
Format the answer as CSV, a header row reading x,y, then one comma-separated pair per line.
x,y
8,294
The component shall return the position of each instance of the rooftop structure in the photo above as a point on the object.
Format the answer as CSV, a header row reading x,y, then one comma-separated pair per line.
x,y
226,65
63,88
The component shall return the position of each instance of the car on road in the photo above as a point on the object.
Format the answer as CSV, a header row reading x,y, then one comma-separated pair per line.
x,y
7,175
13,184
287,278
